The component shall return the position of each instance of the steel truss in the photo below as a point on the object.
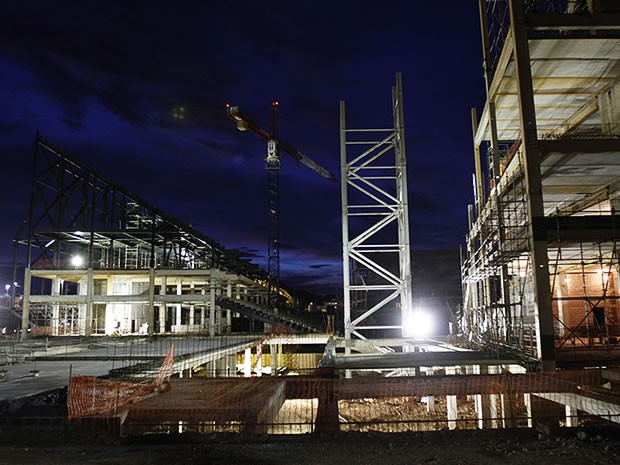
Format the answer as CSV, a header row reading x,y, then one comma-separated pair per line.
x,y
132,256
76,211
375,228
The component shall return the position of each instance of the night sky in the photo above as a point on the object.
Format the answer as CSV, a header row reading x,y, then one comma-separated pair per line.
x,y
103,80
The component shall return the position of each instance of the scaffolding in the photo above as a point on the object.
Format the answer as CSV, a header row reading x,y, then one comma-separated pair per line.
x,y
540,272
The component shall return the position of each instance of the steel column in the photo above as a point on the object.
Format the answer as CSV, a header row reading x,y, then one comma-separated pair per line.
x,y
533,182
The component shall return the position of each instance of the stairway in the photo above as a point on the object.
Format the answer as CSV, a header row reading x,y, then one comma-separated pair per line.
x,y
298,323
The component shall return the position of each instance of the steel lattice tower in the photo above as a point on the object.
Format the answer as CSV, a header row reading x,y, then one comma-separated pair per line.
x,y
375,228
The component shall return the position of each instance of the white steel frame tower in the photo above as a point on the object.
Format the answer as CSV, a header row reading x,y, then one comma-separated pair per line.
x,y
375,226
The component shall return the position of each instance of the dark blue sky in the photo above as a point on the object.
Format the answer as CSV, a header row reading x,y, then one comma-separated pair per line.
x,y
102,80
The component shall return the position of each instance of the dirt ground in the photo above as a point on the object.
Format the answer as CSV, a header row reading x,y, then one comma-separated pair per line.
x,y
598,446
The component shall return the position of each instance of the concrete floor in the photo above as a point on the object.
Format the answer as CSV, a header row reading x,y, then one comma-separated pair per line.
x,y
33,367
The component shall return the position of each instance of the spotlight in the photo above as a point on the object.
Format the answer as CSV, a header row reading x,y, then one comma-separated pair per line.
x,y
77,261
419,323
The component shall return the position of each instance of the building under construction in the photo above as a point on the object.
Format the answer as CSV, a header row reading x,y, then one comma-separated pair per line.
x,y
183,321
100,260
540,269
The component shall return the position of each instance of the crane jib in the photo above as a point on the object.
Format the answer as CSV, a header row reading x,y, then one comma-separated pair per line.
x,y
244,123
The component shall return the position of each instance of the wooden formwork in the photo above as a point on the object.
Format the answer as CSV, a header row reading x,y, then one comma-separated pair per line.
x,y
220,404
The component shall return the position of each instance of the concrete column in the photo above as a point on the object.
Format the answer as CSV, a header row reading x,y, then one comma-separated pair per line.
x,y
178,306
219,320
205,310
273,355
259,360
508,420
164,283
430,400
192,316
247,363
451,404
327,419
212,285
228,322
88,308
163,308
228,325
486,405
493,418
562,289
150,309
430,404
80,322
222,367
609,103
571,417
509,401
231,365
527,398
26,305
545,414
56,284
452,411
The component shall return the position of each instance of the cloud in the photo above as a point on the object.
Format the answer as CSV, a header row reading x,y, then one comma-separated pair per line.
x,y
101,79
319,266
116,98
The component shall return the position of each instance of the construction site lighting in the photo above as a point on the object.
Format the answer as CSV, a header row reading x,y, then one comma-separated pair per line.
x,y
419,323
77,261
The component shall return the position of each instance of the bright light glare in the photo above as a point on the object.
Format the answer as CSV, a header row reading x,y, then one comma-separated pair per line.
x,y
77,261
419,323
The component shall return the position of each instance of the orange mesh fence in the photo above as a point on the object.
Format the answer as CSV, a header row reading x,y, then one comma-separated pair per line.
x,y
90,395
299,404
166,368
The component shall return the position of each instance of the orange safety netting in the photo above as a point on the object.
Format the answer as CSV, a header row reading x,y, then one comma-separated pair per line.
x,y
301,404
90,395
278,330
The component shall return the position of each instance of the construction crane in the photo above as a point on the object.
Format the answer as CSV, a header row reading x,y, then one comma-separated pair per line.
x,y
272,165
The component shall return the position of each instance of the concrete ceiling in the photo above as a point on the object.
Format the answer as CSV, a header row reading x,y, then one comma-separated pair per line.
x,y
567,76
